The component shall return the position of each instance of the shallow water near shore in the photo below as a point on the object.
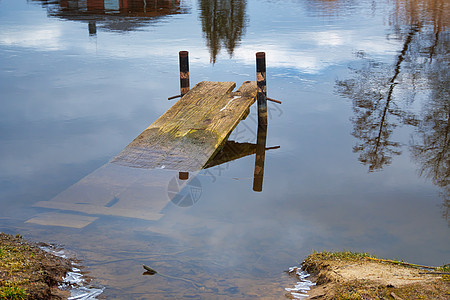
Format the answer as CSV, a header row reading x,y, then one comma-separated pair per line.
x,y
363,138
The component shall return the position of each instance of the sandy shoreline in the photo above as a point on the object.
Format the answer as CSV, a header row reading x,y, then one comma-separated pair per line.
x,y
347,275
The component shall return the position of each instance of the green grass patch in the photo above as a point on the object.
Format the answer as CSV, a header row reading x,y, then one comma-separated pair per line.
x,y
445,268
355,256
341,255
14,259
10,291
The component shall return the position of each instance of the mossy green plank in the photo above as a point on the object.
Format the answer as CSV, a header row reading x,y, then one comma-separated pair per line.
x,y
192,130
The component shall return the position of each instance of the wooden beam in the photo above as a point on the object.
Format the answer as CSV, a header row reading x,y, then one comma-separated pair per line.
x,y
192,130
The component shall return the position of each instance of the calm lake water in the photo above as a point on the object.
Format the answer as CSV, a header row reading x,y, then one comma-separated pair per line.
x,y
363,135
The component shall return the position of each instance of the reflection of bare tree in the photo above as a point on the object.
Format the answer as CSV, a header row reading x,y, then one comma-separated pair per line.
x,y
223,23
420,73
372,94
410,12
431,144
371,124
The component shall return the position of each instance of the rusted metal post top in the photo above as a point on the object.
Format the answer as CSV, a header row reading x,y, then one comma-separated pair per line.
x,y
183,175
261,87
184,72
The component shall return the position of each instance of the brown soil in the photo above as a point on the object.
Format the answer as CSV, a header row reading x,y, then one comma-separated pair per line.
x,y
364,278
27,272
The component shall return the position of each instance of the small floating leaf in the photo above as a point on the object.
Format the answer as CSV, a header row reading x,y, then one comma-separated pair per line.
x,y
149,270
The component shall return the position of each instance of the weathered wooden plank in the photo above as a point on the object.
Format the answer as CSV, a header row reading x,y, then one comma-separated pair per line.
x,y
115,190
62,219
191,105
192,130
100,210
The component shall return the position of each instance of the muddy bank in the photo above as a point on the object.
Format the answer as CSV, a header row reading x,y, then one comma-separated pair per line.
x,y
348,275
28,272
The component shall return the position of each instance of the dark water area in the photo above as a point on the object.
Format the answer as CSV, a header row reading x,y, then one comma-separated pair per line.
x,y
363,135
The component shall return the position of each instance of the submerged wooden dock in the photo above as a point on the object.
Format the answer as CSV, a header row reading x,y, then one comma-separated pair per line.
x,y
188,135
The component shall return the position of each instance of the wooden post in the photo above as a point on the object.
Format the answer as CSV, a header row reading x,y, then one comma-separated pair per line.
x,y
261,97
261,88
184,72
260,157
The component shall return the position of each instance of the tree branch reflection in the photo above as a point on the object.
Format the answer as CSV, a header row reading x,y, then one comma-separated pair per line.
x,y
373,104
383,95
223,24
